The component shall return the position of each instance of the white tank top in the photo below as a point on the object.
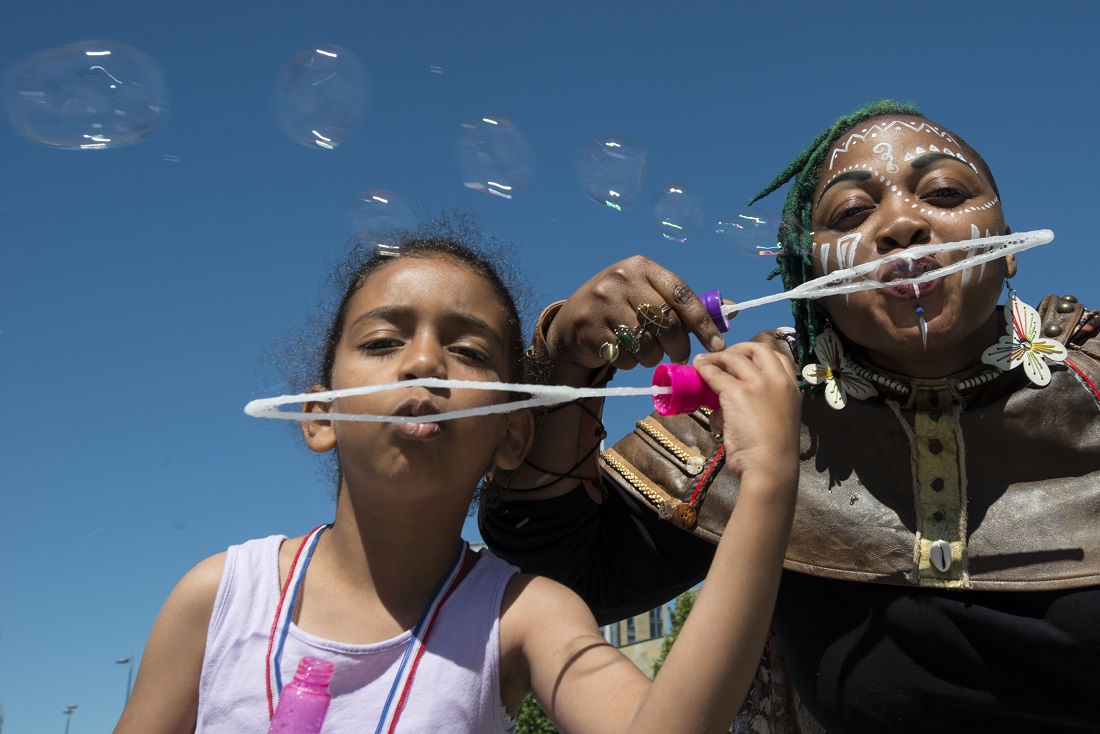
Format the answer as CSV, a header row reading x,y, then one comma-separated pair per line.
x,y
456,688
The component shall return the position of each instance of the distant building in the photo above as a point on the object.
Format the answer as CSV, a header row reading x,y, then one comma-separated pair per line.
x,y
639,637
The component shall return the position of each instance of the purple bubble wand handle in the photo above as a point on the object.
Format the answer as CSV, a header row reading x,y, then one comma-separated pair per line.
x,y
687,391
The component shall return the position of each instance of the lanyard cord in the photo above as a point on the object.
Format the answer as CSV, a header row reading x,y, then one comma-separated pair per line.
x,y
402,682
284,614
414,651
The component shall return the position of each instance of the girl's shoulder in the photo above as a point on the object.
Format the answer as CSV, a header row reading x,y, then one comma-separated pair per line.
x,y
199,586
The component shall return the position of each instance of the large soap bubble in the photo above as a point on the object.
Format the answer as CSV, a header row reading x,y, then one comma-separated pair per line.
x,y
87,96
612,171
382,217
321,96
753,234
494,157
676,212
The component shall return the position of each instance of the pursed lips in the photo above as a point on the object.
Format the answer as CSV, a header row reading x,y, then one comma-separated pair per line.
x,y
906,268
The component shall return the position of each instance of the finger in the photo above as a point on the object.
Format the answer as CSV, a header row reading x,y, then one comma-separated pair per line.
x,y
688,307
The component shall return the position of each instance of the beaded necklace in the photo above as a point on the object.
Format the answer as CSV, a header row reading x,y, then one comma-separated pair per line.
x,y
897,386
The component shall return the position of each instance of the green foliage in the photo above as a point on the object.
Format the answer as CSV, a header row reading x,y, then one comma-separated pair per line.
x,y
531,719
681,608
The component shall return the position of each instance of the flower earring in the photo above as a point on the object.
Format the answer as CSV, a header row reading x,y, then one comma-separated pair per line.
x,y
836,373
1022,345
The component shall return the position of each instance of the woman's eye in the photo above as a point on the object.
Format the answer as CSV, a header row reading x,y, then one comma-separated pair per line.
x,y
849,216
946,197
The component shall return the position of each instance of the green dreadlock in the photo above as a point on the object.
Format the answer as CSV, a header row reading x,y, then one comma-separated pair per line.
x,y
796,229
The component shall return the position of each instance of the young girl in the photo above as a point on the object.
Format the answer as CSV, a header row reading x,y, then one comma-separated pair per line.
x,y
393,560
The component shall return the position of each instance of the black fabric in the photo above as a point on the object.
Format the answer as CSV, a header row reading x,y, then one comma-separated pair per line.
x,y
864,657
619,556
876,658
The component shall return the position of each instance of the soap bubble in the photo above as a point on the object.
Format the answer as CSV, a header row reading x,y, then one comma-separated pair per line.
x,y
676,212
382,217
321,96
87,96
751,234
494,157
612,171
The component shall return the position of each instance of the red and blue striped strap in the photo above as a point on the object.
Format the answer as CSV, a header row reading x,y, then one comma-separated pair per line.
x,y
284,615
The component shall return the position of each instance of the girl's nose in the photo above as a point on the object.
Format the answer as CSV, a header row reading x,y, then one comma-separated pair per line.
x,y
424,357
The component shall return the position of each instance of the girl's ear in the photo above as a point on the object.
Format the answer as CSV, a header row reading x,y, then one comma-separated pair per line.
x,y
519,434
320,435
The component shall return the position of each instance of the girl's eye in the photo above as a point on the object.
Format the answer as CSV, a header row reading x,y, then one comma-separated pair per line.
x,y
472,353
379,345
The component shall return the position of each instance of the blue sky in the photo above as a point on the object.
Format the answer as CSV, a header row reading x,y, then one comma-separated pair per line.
x,y
142,286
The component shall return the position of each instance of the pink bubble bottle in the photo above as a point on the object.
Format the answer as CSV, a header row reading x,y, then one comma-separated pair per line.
x,y
304,701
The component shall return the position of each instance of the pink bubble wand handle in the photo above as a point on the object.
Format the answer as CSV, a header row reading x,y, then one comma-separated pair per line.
x,y
687,391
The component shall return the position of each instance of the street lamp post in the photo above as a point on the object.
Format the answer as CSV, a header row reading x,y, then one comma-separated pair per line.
x,y
129,677
69,715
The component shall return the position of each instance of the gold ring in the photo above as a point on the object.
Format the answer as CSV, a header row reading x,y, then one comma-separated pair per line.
x,y
653,319
609,352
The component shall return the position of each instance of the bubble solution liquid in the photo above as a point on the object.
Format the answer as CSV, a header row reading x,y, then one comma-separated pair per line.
x,y
304,701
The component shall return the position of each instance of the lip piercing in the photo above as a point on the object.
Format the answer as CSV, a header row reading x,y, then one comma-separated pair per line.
x,y
923,326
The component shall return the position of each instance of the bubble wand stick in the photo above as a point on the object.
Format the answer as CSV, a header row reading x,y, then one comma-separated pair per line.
x,y
676,388
843,281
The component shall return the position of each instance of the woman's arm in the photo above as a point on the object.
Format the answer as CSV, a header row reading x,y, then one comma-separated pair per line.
x,y
166,693
566,350
584,684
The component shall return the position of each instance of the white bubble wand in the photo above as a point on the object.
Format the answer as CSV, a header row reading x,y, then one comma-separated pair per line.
x,y
849,280
676,388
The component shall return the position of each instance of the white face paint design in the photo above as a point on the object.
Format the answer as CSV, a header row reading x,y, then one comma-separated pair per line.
x,y
919,151
869,133
975,233
886,152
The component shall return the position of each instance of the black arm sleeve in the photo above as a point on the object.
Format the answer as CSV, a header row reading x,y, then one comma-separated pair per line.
x,y
619,556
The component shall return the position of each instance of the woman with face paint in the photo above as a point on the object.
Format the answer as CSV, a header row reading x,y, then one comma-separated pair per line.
x,y
944,565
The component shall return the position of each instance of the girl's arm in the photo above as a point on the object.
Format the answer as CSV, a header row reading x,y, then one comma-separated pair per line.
x,y
587,686
165,699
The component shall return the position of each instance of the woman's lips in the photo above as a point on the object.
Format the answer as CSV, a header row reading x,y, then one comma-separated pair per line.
x,y
902,269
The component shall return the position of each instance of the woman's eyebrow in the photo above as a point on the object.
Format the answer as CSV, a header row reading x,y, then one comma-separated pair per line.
x,y
929,158
850,176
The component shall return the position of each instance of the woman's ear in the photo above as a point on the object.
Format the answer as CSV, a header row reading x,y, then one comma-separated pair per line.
x,y
519,434
320,434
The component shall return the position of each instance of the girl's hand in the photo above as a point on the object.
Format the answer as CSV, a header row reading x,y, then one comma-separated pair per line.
x,y
583,333
761,409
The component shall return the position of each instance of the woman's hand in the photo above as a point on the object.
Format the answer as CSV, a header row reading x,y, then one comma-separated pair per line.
x,y
582,336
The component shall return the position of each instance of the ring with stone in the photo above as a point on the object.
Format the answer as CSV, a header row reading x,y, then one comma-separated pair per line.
x,y
655,320
629,339
609,352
